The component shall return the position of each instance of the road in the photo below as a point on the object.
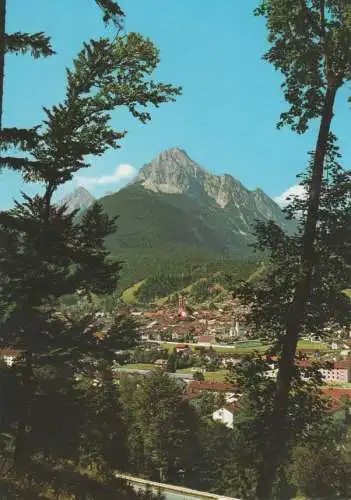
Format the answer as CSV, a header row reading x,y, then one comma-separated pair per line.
x,y
171,492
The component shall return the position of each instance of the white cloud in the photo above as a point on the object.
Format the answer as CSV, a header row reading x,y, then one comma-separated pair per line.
x,y
293,191
122,172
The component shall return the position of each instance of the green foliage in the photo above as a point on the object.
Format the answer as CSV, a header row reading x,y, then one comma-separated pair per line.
x,y
320,471
198,376
172,362
161,428
327,303
179,274
65,368
156,228
112,12
308,426
37,44
310,45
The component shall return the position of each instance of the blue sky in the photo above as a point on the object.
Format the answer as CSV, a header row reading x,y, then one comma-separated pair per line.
x,y
231,100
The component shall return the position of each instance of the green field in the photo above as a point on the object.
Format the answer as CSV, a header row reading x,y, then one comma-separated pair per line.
x,y
251,346
128,296
242,348
217,376
306,344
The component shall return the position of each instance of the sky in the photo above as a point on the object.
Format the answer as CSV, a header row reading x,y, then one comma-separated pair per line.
x,y
225,119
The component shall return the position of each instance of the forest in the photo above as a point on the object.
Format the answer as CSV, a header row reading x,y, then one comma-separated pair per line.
x,y
67,423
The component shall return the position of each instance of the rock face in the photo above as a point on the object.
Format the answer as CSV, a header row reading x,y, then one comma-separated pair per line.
x,y
79,199
174,172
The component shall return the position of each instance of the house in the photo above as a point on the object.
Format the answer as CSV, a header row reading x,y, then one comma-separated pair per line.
x,y
9,356
336,395
161,362
153,323
185,377
225,415
232,397
197,369
205,340
272,371
132,372
230,361
339,373
197,387
181,347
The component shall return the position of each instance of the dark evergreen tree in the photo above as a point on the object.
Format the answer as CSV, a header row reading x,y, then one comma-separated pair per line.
x,y
162,429
53,411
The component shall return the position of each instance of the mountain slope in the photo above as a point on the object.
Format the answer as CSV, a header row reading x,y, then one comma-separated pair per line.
x,y
174,201
175,210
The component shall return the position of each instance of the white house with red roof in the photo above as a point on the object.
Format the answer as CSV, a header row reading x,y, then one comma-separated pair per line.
x,y
225,415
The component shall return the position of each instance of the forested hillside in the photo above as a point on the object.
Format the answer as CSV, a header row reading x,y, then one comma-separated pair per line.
x,y
195,280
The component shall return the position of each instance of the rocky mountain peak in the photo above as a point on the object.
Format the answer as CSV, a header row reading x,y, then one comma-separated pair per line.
x,y
173,171
79,199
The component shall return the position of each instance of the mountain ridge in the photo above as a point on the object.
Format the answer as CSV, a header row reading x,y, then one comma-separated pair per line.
x,y
174,210
174,172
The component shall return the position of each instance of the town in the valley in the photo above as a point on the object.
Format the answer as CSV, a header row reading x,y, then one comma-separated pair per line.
x,y
197,347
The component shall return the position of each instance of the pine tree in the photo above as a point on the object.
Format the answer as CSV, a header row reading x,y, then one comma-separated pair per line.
x,y
162,429
46,254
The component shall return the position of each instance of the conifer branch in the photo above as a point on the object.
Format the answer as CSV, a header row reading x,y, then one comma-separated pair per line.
x,y
112,12
37,44
25,139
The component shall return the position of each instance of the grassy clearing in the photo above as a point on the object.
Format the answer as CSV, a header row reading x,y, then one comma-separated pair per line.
x,y
257,274
306,344
244,348
128,296
247,347
187,370
218,376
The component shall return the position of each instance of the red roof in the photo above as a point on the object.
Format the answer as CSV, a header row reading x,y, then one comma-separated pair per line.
x,y
205,338
305,363
10,352
272,358
335,394
199,385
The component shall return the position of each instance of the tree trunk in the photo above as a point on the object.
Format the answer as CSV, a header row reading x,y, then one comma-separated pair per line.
x,y
2,54
277,440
